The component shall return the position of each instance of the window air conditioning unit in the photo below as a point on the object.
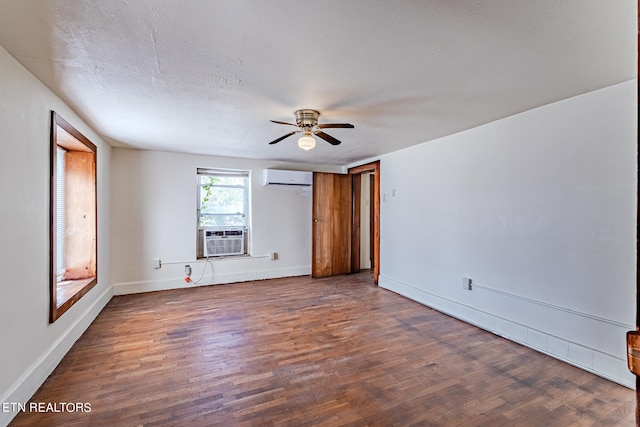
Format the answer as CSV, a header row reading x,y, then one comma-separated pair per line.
x,y
284,177
223,242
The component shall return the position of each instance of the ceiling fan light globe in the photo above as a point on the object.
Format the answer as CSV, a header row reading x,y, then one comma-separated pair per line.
x,y
306,143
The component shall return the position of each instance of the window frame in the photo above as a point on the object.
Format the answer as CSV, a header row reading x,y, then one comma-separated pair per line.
x,y
64,294
246,174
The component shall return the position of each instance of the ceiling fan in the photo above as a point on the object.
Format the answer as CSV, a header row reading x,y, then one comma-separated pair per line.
x,y
307,122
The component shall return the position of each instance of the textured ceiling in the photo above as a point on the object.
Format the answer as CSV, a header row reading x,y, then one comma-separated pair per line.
x,y
207,76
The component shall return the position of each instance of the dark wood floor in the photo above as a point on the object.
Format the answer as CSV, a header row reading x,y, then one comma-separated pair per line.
x,y
303,352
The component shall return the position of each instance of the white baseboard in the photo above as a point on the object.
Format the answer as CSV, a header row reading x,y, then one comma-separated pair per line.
x,y
611,367
219,279
29,382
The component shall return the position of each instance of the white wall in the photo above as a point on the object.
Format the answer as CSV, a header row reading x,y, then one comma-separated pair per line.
x,y
31,347
539,209
154,216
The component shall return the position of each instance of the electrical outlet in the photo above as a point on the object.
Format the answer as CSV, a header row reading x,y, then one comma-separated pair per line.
x,y
157,263
187,270
466,284
273,255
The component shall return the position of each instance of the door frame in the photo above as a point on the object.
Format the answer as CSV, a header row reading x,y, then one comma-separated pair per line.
x,y
356,172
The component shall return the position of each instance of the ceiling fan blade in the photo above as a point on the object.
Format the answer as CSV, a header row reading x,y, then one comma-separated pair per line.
x,y
335,125
275,141
331,140
283,123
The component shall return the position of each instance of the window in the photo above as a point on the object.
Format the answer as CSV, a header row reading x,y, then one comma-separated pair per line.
x,y
223,201
59,213
73,216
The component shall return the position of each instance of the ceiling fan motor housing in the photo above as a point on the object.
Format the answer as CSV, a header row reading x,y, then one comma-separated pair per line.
x,y
307,119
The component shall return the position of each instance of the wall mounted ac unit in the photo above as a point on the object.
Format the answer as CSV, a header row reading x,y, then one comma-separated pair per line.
x,y
284,177
223,242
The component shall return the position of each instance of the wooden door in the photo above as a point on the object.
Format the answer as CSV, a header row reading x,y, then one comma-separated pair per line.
x,y
332,217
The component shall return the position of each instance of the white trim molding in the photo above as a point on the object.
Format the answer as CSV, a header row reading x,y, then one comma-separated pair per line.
x,y
218,279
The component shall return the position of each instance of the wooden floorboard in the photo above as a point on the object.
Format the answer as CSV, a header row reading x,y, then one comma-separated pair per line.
x,y
311,352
